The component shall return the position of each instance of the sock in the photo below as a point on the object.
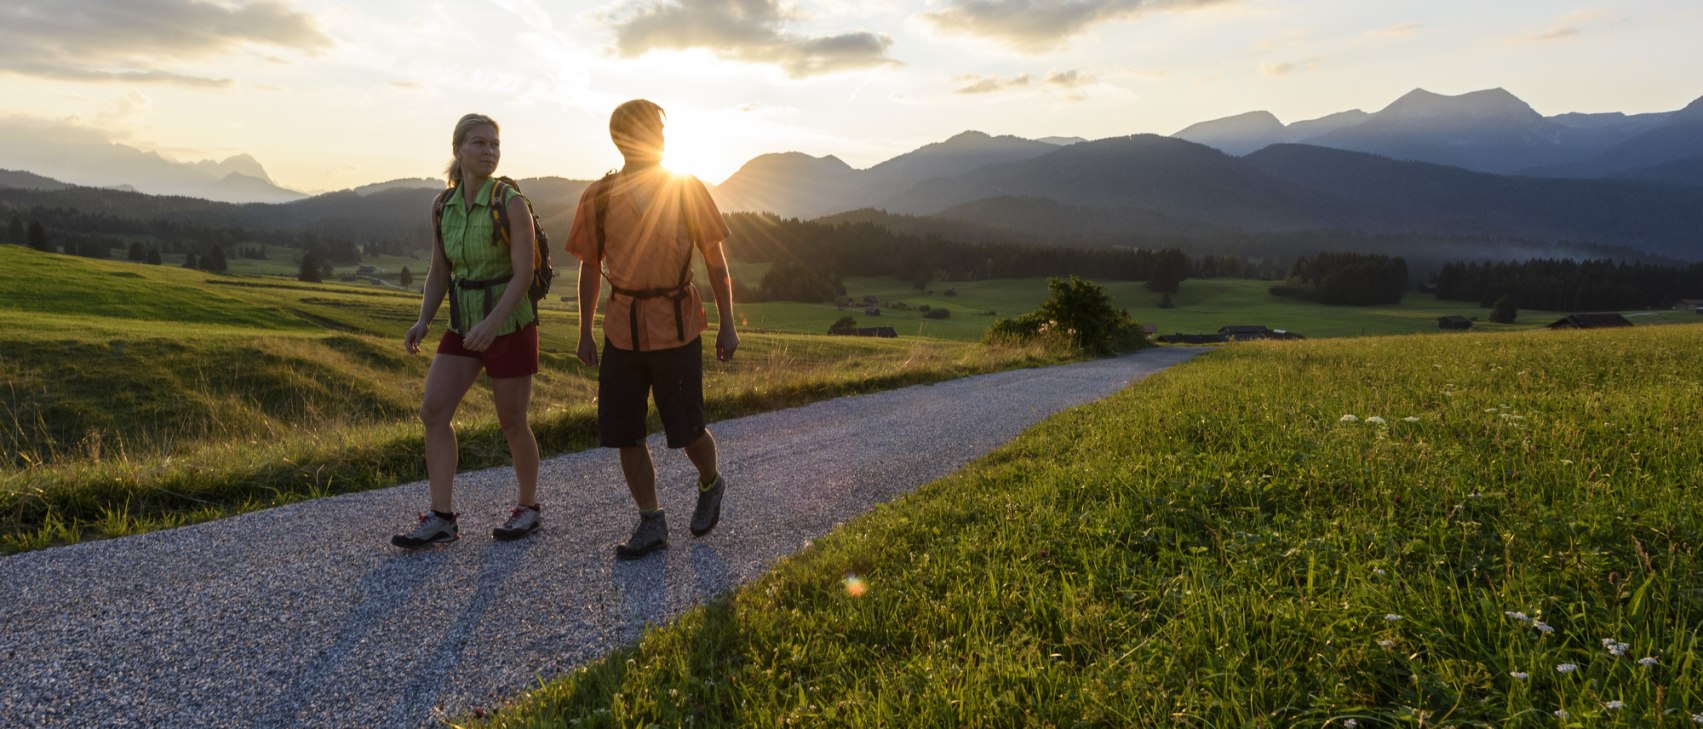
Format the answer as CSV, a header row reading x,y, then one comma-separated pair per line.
x,y
707,485
446,517
651,512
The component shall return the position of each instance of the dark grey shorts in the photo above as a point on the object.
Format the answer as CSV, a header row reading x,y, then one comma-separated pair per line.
x,y
625,381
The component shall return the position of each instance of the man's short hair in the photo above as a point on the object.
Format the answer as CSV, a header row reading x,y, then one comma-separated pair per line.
x,y
636,120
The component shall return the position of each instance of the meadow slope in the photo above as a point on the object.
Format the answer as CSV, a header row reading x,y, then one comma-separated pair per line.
x,y
1475,530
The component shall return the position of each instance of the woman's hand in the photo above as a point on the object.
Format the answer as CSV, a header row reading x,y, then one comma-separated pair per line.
x,y
480,336
416,334
588,351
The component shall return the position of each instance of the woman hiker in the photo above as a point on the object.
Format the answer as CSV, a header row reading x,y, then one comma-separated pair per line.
x,y
493,327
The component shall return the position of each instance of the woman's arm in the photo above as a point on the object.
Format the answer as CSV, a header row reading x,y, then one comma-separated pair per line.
x,y
437,284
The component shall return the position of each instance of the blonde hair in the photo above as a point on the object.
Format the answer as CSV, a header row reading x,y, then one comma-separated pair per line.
x,y
462,128
633,122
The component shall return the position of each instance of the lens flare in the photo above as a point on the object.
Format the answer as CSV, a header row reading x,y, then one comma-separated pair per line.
x,y
855,586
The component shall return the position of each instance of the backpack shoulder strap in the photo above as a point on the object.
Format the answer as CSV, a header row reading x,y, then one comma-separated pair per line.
x,y
438,204
500,208
600,210
682,207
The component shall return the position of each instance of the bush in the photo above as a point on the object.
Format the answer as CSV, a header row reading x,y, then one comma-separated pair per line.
x,y
1504,312
940,313
1080,315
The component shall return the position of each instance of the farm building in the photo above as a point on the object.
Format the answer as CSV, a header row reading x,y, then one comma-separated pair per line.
x,y
1590,321
887,332
1453,322
1239,332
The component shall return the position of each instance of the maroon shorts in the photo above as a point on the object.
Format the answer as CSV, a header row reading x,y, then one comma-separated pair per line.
x,y
511,355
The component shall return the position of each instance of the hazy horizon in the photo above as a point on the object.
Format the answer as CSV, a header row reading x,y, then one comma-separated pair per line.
x,y
327,96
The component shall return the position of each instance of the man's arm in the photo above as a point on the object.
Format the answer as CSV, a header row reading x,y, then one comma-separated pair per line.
x,y
590,287
721,282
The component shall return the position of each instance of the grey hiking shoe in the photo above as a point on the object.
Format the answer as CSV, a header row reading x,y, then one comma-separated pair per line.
x,y
433,529
650,535
708,512
523,521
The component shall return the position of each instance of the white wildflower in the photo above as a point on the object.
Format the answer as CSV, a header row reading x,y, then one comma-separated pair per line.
x,y
1517,616
1348,419
1350,723
1697,718
1410,419
1375,420
1542,627
1567,667
1561,714
1386,643
1392,617
1648,661
1378,571
1613,705
1566,461
1519,675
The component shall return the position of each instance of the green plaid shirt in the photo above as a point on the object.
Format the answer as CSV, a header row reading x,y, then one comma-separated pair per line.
x,y
476,255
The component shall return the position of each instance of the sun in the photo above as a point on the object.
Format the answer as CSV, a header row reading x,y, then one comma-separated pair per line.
x,y
699,147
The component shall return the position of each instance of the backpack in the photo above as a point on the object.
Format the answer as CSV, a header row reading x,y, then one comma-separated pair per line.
x,y
542,274
679,293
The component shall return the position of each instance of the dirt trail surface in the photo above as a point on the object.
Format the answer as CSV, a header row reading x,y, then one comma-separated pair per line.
x,y
305,616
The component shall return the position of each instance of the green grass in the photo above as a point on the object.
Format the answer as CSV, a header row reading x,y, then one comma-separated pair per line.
x,y
1203,305
125,409
1216,547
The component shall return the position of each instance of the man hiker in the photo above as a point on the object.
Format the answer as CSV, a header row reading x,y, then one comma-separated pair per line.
x,y
639,226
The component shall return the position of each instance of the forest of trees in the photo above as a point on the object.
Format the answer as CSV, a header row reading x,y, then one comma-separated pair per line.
x,y
1346,278
1569,285
810,258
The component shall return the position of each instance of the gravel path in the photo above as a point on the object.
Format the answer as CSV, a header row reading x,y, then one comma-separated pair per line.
x,y
304,615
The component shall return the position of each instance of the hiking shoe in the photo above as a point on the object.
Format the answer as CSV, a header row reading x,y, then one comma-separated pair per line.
x,y
522,521
433,529
650,535
708,512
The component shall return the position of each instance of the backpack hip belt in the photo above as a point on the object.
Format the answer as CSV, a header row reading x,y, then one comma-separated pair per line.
x,y
458,285
678,295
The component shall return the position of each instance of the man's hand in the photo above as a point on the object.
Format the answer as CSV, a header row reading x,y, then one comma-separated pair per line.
x,y
725,343
587,351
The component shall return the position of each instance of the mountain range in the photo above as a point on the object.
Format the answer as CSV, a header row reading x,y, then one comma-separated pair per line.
x,y
1485,131
1481,165
82,156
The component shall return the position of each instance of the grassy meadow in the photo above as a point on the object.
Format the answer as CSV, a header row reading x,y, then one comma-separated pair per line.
x,y
1421,531
136,397
1202,305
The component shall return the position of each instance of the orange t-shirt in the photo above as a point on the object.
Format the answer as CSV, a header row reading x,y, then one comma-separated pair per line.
x,y
654,219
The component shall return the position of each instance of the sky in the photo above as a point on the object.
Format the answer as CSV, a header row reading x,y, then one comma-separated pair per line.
x,y
331,94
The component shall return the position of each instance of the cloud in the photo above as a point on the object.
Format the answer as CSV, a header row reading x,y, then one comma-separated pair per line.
x,y
1039,25
970,84
753,31
1283,40
990,84
129,40
1569,27
1284,69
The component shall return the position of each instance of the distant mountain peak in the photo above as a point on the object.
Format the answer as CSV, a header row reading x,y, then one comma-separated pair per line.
x,y
1486,103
